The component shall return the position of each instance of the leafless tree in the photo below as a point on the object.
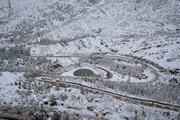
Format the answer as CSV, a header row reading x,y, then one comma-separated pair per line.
x,y
9,5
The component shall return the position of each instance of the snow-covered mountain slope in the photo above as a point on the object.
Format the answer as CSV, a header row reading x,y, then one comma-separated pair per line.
x,y
135,44
148,29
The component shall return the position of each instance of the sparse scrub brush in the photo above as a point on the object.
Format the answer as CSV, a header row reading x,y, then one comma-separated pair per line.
x,y
63,97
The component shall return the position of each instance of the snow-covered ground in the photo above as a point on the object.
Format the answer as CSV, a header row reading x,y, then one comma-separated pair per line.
x,y
8,89
147,29
76,101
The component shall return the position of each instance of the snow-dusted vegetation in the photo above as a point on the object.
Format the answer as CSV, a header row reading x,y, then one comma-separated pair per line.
x,y
90,59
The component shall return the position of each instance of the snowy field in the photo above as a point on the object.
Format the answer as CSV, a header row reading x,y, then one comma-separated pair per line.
x,y
131,46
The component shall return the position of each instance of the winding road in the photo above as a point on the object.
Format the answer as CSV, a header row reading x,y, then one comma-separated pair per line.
x,y
134,100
